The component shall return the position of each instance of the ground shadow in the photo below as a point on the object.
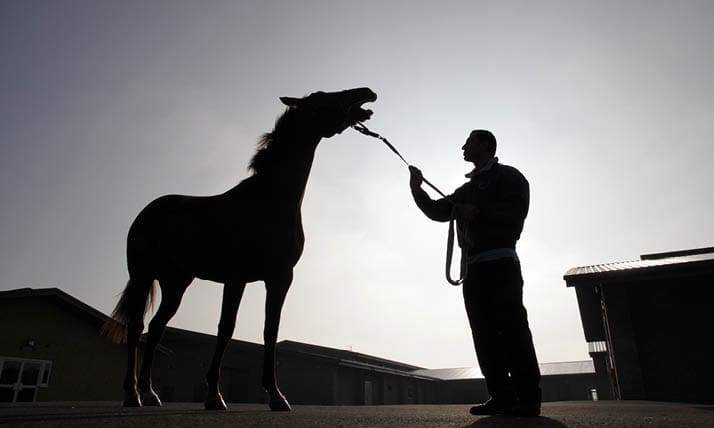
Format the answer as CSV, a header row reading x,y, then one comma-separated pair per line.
x,y
515,422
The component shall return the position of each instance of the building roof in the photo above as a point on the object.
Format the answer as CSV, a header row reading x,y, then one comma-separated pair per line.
x,y
675,262
460,373
546,369
344,355
173,334
338,357
55,293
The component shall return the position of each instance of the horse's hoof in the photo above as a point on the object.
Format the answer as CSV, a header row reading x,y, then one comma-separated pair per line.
x,y
132,401
216,404
280,404
149,398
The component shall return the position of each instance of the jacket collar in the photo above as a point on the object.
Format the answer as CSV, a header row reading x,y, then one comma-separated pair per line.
x,y
476,171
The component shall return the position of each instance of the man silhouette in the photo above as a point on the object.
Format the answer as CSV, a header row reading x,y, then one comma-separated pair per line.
x,y
490,210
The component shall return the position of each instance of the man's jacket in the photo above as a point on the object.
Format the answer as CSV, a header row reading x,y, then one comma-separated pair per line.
x,y
501,195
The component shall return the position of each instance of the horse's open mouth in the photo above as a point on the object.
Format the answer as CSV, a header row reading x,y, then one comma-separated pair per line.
x,y
358,114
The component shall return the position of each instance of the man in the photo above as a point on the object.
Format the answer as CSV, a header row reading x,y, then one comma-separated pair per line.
x,y
490,210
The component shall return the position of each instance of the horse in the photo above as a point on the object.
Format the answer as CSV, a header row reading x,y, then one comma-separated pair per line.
x,y
252,232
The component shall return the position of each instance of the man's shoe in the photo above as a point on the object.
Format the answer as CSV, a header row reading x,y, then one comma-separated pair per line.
x,y
526,408
492,407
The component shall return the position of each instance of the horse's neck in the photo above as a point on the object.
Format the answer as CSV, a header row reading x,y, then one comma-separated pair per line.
x,y
290,176
294,177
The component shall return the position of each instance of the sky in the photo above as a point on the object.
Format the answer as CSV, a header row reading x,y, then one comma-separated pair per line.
x,y
604,106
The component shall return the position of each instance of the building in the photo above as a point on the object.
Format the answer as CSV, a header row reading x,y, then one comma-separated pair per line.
x,y
51,350
561,381
348,378
649,324
49,344
307,374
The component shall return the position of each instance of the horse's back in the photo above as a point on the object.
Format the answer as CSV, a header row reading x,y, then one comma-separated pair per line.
x,y
208,236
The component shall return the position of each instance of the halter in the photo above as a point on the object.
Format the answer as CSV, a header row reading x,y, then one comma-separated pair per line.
x,y
360,127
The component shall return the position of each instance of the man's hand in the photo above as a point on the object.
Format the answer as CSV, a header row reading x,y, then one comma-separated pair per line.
x,y
465,212
415,177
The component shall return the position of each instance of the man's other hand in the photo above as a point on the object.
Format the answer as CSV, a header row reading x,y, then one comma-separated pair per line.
x,y
415,178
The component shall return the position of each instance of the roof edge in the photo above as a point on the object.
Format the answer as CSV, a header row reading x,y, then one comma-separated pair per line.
x,y
678,253
56,293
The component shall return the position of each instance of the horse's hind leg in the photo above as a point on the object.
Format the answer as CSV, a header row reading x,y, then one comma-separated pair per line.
x,y
131,393
232,295
130,309
172,290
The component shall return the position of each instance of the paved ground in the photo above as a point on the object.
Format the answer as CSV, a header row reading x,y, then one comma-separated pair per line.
x,y
631,414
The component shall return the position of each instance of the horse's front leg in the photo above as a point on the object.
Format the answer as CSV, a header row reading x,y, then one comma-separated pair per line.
x,y
276,290
232,295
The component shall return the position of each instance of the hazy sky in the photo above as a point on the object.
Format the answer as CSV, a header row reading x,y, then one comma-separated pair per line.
x,y
606,107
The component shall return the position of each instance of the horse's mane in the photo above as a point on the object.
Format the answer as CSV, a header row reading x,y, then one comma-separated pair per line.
x,y
269,143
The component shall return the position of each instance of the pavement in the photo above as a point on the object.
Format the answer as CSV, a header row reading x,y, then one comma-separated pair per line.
x,y
571,414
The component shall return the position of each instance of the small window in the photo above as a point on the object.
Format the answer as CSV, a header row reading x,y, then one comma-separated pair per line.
x,y
596,347
45,377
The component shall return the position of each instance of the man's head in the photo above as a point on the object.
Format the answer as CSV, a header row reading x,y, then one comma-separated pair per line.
x,y
479,147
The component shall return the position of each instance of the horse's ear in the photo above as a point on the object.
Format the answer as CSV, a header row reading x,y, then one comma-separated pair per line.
x,y
290,101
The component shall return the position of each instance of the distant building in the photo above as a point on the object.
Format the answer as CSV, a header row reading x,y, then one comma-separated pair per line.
x,y
308,374
649,325
348,378
564,381
51,350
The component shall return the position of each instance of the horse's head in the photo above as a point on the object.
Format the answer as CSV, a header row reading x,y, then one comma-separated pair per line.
x,y
330,113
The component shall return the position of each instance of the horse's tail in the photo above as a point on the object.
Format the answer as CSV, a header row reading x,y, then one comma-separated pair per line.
x,y
131,309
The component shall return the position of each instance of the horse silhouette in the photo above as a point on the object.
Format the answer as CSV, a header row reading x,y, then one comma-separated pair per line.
x,y
250,233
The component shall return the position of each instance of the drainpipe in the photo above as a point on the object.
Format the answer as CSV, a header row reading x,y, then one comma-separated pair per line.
x,y
614,379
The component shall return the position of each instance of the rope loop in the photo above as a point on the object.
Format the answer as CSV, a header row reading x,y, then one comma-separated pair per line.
x,y
450,254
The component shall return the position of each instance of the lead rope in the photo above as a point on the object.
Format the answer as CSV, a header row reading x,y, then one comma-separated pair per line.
x,y
360,127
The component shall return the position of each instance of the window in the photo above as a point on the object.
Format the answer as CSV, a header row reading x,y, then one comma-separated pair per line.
x,y
20,378
45,378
